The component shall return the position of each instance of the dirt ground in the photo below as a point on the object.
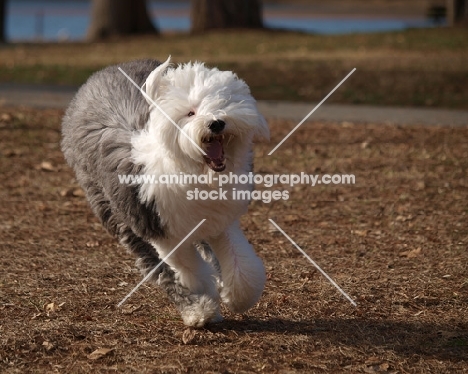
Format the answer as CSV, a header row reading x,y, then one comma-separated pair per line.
x,y
396,242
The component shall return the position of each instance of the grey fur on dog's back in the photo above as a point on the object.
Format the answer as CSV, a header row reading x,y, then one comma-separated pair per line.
x,y
96,142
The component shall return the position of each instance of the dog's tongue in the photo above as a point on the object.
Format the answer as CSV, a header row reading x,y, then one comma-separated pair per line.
x,y
214,150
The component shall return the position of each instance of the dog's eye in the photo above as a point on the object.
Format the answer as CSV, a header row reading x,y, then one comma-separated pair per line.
x,y
191,113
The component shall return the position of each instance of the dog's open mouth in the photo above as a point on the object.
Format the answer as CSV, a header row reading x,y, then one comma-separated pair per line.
x,y
214,149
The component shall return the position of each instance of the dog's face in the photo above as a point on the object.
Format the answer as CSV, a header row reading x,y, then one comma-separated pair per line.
x,y
213,108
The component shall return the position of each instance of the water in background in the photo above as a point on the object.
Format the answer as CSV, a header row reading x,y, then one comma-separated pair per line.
x,y
68,20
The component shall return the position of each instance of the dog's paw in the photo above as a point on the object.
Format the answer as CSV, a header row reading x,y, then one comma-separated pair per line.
x,y
204,310
244,287
240,302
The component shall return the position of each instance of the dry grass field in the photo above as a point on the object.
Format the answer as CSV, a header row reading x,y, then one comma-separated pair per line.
x,y
426,68
396,241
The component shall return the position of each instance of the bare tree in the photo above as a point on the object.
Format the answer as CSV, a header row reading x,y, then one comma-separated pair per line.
x,y
119,17
457,12
221,14
2,20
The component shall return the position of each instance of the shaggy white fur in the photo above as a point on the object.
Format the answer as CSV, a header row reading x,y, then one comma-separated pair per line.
x,y
216,111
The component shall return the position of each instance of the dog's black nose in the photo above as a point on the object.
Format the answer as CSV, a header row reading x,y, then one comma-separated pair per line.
x,y
217,126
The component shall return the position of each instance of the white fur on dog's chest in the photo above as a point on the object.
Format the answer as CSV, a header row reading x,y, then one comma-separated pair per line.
x,y
179,214
180,209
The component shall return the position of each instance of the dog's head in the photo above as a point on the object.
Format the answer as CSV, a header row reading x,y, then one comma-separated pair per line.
x,y
196,108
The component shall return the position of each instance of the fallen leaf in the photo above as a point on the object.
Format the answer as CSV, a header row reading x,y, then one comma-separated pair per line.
x,y
449,334
6,117
78,192
43,207
291,218
50,308
129,309
98,353
92,244
188,335
420,186
373,361
362,233
66,193
384,366
46,166
411,254
272,228
404,218
12,152
75,192
47,345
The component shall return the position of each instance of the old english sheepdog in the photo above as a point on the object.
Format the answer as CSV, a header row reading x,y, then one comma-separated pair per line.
x,y
111,129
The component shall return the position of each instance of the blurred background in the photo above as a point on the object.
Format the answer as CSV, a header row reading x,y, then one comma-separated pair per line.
x,y
58,20
408,53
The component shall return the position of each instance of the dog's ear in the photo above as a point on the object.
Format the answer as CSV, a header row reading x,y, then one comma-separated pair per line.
x,y
153,81
262,132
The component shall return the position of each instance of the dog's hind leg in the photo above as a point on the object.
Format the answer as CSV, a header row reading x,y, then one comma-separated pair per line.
x,y
242,271
187,281
147,257
184,280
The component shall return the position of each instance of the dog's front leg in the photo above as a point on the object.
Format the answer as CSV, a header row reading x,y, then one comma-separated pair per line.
x,y
242,271
192,284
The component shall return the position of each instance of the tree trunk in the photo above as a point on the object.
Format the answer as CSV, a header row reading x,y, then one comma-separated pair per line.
x,y
457,12
119,17
2,20
222,14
